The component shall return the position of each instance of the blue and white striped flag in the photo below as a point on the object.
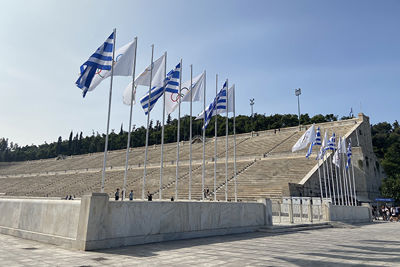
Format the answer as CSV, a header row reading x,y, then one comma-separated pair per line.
x,y
219,104
322,149
100,60
172,85
331,143
318,137
172,96
349,154
317,142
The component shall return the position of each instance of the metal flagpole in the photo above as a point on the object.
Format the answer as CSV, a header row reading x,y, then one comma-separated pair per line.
x,y
354,184
162,130
349,181
234,140
351,195
148,122
128,144
337,182
320,181
103,176
332,178
203,171
178,132
215,138
345,185
326,175
190,133
226,142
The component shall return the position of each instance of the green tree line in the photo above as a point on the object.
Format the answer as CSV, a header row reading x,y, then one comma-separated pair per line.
x,y
386,142
78,144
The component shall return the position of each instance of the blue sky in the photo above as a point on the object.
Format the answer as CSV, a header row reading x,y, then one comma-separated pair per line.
x,y
342,54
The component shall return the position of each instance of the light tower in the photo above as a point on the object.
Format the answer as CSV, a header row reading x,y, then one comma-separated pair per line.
x,y
251,105
297,92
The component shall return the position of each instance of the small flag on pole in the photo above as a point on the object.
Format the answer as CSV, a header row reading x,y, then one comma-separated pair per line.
x,y
172,83
322,149
144,79
307,138
231,92
336,156
349,154
317,142
101,59
331,145
123,65
219,103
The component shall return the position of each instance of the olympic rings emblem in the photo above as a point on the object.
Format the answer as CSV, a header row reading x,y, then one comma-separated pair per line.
x,y
175,96
98,71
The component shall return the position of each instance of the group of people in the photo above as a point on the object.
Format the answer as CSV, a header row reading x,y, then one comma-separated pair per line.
x,y
117,195
386,213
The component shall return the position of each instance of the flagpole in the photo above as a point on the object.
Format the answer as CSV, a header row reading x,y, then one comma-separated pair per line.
x,y
103,176
354,183
203,171
320,181
345,187
338,173
234,140
325,168
128,144
351,195
190,133
148,122
226,142
162,130
337,182
178,132
215,138
332,178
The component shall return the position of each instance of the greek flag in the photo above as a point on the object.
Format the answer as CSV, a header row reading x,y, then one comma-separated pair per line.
x,y
331,143
100,60
172,96
318,137
317,142
349,154
172,85
219,104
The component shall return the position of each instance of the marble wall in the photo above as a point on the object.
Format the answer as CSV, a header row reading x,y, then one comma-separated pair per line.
x,y
51,221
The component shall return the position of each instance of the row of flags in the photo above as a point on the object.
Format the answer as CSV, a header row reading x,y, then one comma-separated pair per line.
x,y
313,138
340,151
108,62
98,68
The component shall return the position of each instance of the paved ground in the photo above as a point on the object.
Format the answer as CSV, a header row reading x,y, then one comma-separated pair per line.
x,y
369,245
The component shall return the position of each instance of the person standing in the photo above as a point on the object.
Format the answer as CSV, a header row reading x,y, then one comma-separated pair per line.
x,y
131,195
117,194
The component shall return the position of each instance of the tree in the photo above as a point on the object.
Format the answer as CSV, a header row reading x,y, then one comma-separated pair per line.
x,y
391,187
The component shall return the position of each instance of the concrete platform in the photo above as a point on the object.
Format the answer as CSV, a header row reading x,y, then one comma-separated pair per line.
x,y
360,245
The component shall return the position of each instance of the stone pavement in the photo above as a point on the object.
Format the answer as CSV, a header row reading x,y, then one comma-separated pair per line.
x,y
375,244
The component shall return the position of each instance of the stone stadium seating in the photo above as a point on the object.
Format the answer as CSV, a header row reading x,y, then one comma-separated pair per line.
x,y
265,167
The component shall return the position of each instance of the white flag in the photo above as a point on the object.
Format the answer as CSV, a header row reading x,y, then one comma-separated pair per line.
x,y
123,65
231,92
197,89
336,156
172,99
307,138
322,149
144,79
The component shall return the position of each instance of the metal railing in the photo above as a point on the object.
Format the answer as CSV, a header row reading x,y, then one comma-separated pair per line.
x,y
297,210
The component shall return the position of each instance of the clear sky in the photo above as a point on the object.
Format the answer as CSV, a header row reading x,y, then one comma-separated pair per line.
x,y
342,54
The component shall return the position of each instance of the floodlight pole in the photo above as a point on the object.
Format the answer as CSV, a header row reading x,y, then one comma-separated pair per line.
x,y
297,92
